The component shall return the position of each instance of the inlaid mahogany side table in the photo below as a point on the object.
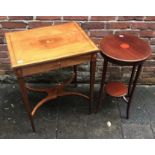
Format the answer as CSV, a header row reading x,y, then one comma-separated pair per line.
x,y
49,48
122,50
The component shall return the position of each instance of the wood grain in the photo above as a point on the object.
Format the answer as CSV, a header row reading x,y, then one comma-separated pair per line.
x,y
125,48
48,66
48,44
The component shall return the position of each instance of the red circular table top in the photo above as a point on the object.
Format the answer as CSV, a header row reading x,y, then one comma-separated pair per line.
x,y
126,48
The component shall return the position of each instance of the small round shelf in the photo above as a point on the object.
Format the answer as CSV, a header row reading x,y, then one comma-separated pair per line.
x,y
116,89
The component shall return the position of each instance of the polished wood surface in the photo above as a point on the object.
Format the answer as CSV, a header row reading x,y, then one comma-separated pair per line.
x,y
122,50
48,44
125,48
53,93
44,49
53,65
116,89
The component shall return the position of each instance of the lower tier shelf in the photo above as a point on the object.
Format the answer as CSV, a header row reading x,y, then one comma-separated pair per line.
x,y
116,89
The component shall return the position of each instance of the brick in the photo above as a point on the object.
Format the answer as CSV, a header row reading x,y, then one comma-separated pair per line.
x,y
3,47
60,22
152,41
13,25
149,63
114,69
151,25
143,25
93,25
2,41
38,24
100,33
118,25
3,54
139,26
102,18
146,39
147,74
115,72
152,57
2,32
147,33
126,18
48,17
3,17
153,48
98,27
20,17
4,61
96,40
5,67
81,18
149,69
150,80
2,72
126,69
130,32
149,18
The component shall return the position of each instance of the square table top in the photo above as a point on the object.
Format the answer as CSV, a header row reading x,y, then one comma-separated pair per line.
x,y
45,44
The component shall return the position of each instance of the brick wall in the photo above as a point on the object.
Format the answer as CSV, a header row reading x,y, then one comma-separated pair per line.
x,y
96,27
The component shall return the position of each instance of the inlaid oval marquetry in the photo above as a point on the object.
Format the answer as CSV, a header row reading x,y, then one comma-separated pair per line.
x,y
124,45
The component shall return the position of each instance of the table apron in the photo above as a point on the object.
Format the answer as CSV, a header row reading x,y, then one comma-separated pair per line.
x,y
48,66
122,63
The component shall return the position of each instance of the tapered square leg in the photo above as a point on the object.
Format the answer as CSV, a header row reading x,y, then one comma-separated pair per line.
x,y
24,93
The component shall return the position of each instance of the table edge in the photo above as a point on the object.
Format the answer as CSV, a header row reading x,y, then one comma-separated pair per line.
x,y
14,64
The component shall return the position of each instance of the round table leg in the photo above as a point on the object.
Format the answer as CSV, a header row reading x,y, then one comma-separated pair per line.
x,y
132,90
131,79
105,64
92,80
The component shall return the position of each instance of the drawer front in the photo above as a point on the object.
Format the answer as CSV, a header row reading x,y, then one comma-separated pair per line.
x,y
48,66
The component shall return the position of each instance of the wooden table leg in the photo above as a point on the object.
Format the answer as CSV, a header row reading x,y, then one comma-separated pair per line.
x,y
92,79
75,73
105,63
24,93
132,90
131,80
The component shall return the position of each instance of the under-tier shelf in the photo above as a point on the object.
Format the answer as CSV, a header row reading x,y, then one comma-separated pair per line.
x,y
116,89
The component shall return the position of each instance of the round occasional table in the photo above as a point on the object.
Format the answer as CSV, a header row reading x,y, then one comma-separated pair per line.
x,y
124,50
